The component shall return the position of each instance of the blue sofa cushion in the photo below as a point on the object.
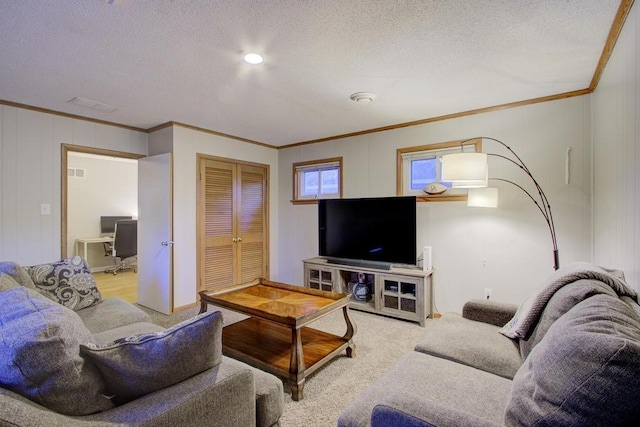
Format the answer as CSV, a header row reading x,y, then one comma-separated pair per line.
x,y
141,364
40,354
384,416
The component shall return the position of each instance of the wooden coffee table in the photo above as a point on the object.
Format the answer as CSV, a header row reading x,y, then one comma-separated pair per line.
x,y
275,338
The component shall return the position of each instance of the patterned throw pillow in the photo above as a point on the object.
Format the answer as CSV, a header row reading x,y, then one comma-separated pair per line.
x,y
68,282
40,355
141,364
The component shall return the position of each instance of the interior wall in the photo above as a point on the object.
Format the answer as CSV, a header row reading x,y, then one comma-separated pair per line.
x,y
161,141
109,187
30,162
616,136
507,249
187,143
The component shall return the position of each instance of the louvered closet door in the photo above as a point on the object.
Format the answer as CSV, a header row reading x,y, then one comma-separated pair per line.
x,y
217,249
253,212
232,224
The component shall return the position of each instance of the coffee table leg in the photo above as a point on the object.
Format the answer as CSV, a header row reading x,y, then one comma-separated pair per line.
x,y
203,307
351,330
296,365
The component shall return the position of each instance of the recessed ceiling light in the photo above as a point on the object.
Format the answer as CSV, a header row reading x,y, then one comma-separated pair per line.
x,y
363,97
253,58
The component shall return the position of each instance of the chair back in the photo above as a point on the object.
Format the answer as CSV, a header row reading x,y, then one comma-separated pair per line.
x,y
125,240
108,224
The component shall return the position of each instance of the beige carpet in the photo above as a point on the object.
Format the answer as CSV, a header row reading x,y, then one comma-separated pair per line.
x,y
379,340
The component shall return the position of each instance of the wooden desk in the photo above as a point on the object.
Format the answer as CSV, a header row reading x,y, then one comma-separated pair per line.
x,y
275,338
86,241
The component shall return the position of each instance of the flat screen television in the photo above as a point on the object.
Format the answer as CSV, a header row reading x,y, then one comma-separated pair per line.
x,y
376,232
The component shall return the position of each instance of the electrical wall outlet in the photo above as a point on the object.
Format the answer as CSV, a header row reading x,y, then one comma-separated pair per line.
x,y
487,293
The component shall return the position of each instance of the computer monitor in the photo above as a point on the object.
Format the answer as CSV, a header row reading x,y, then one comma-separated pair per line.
x,y
108,224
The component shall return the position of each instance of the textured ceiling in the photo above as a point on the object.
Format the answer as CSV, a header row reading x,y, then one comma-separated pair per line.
x,y
181,60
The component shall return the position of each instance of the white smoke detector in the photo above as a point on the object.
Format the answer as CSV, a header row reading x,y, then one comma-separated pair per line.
x,y
363,97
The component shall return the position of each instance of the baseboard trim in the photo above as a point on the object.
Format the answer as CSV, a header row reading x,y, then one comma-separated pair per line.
x,y
185,307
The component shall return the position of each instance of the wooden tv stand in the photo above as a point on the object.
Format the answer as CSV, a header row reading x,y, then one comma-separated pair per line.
x,y
401,292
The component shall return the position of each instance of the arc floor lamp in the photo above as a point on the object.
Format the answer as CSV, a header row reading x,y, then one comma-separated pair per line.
x,y
470,170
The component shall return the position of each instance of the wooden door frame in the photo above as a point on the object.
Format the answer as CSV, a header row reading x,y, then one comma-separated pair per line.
x,y
66,149
199,220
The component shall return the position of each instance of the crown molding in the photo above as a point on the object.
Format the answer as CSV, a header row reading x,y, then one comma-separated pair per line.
x,y
211,132
71,116
614,33
447,117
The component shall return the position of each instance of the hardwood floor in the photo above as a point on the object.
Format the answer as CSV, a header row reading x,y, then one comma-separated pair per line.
x,y
123,285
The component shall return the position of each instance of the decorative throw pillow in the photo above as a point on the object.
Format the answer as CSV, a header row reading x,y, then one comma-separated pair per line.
x,y
68,282
40,355
584,371
141,364
18,273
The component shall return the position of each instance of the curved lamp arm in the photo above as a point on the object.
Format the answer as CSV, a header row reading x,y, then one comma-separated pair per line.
x,y
543,206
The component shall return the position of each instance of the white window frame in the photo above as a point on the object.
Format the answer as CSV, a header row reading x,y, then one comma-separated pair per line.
x,y
406,155
299,169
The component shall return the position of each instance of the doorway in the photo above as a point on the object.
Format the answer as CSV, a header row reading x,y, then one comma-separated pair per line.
x,y
97,182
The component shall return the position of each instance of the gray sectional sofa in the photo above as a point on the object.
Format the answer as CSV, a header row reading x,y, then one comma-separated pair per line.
x,y
70,358
569,355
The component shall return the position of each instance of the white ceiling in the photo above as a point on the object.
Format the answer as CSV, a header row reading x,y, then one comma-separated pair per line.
x,y
181,60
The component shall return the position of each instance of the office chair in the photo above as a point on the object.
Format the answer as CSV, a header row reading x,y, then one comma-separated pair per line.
x,y
108,228
125,246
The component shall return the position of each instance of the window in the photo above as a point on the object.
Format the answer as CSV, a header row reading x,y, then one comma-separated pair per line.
x,y
317,179
424,171
420,166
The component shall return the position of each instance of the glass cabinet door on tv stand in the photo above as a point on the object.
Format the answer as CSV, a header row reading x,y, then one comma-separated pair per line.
x,y
317,277
400,295
402,292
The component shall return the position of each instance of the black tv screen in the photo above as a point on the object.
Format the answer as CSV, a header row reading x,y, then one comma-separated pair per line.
x,y
380,229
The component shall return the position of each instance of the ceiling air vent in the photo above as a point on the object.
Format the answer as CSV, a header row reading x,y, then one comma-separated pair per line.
x,y
75,172
83,102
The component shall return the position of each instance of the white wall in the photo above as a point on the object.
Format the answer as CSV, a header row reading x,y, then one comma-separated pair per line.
x,y
506,249
109,187
187,143
616,135
30,149
161,141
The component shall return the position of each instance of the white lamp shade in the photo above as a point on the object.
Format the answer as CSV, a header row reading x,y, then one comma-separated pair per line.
x,y
483,197
471,183
465,170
